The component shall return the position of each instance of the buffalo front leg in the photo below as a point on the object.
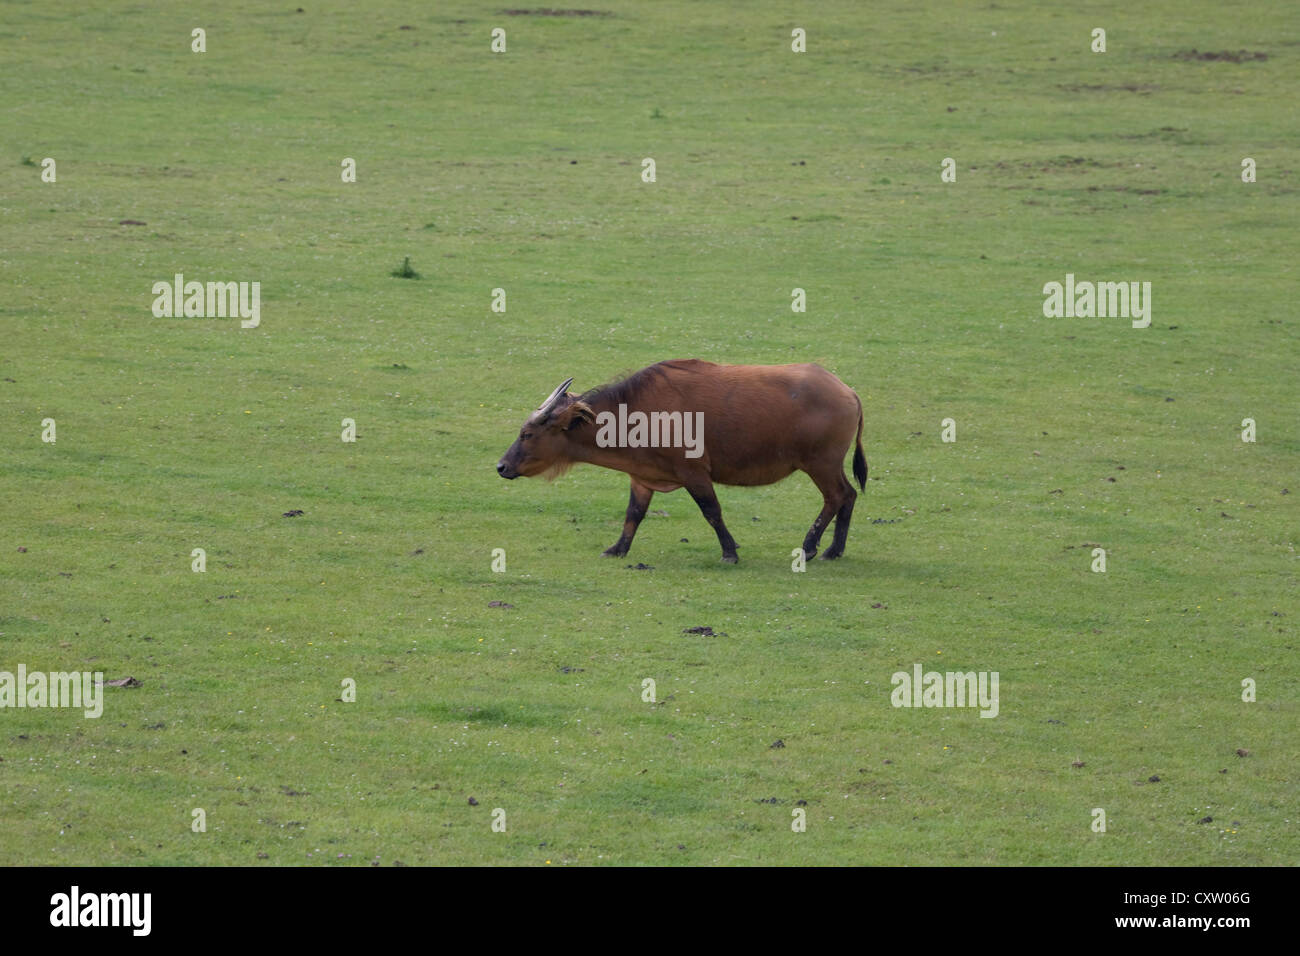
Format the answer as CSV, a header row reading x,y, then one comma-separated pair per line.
x,y
708,502
637,504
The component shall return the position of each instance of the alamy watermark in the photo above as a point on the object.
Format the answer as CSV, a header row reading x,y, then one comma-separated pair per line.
x,y
951,689
53,689
218,300
1087,300
652,430
75,908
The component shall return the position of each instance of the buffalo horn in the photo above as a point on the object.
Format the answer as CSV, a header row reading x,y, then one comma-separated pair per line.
x,y
550,403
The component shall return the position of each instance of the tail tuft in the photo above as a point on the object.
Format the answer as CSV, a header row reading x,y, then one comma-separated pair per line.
x,y
859,459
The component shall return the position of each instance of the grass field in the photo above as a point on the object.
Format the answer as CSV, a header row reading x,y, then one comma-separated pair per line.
x,y
522,171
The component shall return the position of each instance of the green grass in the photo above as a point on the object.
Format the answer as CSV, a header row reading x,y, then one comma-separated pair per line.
x,y
522,171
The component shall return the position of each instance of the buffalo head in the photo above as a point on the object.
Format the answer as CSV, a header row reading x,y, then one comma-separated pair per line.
x,y
546,441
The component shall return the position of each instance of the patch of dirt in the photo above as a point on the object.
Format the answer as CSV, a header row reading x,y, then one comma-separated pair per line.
x,y
1144,88
552,12
1224,56
705,630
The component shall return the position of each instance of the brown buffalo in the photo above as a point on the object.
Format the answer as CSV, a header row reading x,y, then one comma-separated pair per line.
x,y
690,424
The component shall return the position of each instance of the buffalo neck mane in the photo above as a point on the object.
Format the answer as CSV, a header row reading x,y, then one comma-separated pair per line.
x,y
627,391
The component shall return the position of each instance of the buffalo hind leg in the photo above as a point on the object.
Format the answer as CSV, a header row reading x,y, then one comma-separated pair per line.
x,y
814,536
842,519
834,487
637,503
708,502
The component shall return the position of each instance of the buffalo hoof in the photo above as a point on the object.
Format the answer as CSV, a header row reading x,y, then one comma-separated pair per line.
x,y
730,559
613,552
831,555
809,555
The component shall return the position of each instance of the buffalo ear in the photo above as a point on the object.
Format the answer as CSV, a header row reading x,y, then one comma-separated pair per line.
x,y
579,412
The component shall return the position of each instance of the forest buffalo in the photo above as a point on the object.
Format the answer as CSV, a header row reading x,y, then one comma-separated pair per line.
x,y
690,424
